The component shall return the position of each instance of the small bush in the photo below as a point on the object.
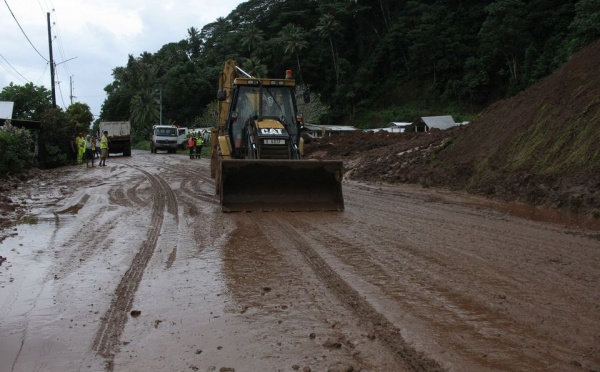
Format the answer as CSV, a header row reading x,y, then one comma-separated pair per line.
x,y
16,149
55,157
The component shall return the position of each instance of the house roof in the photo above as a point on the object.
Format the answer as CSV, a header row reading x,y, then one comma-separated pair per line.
x,y
398,124
330,128
389,130
439,122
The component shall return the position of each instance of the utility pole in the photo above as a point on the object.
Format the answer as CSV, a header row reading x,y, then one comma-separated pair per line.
x,y
71,88
160,92
51,63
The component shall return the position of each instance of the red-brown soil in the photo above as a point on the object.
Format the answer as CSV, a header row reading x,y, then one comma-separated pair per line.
x,y
538,147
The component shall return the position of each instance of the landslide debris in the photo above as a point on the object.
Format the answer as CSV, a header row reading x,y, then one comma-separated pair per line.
x,y
539,147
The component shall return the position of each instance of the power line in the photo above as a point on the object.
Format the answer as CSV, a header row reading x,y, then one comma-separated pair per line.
x,y
48,4
57,40
10,71
61,48
61,95
27,37
40,80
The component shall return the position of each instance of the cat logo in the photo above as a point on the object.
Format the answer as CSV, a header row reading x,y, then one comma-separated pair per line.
x,y
271,131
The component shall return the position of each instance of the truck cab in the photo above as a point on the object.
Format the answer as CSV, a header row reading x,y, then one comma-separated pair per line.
x,y
164,138
182,138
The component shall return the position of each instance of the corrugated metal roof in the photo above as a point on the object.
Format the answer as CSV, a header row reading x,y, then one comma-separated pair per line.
x,y
439,122
389,130
330,128
398,124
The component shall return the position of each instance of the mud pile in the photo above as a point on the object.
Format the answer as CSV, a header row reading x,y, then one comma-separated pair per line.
x,y
539,146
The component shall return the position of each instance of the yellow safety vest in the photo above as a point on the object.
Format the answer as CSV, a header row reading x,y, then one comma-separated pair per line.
x,y
104,142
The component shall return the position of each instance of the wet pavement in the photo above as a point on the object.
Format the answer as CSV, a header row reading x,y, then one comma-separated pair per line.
x,y
134,267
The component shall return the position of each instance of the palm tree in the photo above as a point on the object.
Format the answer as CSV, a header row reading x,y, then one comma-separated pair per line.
x,y
294,40
327,28
252,38
143,112
254,67
194,42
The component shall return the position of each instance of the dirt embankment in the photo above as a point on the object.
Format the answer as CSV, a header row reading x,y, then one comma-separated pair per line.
x,y
538,147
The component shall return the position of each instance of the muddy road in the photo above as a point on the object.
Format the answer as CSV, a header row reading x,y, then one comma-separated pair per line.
x,y
132,267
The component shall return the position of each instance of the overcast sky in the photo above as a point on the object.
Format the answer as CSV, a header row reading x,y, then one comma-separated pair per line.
x,y
91,37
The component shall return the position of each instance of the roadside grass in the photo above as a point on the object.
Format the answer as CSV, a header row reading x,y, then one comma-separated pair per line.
x,y
142,145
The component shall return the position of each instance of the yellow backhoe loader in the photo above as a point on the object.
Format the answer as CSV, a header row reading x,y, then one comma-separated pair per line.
x,y
257,149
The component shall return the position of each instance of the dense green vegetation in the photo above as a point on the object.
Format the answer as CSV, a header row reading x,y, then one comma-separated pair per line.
x,y
365,62
369,61
33,103
15,149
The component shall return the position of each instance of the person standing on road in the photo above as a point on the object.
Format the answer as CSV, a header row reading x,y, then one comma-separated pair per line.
x,y
93,147
97,147
192,145
199,144
89,151
103,149
80,148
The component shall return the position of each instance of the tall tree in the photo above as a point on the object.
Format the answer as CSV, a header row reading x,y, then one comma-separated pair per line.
x,y
585,27
328,28
505,34
194,42
80,113
294,41
253,38
254,67
144,113
30,101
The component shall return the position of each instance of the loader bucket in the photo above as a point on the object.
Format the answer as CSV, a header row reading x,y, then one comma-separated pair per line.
x,y
291,185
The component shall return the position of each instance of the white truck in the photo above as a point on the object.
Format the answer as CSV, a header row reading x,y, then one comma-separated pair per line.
x,y
164,138
182,138
119,136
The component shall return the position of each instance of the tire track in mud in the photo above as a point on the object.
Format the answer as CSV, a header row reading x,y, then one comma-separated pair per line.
x,y
448,278
381,327
196,197
196,183
107,340
132,192
188,188
87,233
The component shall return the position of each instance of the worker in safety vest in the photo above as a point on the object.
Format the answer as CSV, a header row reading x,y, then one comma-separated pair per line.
x,y
80,140
192,145
199,144
103,148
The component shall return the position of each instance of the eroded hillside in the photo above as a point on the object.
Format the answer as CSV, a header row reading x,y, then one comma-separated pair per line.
x,y
540,146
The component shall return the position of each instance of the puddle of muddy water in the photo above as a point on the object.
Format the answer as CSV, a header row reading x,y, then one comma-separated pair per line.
x,y
25,287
